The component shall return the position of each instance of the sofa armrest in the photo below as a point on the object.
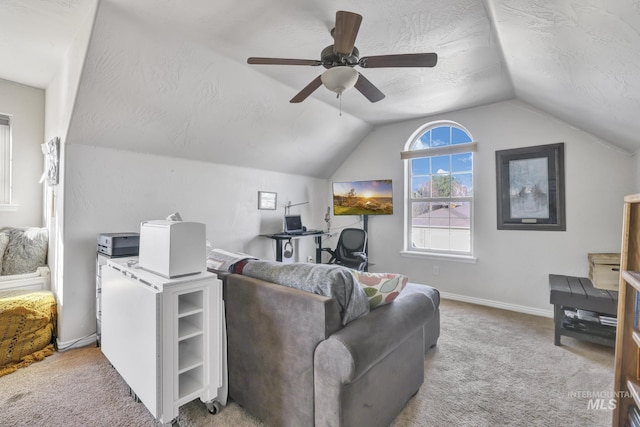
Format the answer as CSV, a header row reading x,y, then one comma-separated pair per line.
x,y
272,332
366,372
352,351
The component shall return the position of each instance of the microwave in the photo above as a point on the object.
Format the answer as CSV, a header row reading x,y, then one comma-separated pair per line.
x,y
173,248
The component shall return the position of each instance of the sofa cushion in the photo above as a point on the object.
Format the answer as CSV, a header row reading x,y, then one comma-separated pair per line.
x,y
380,288
26,250
330,280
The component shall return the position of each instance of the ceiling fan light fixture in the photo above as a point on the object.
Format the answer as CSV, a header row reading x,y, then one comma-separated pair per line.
x,y
339,79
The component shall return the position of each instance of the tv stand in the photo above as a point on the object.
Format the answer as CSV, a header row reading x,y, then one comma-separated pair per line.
x,y
574,294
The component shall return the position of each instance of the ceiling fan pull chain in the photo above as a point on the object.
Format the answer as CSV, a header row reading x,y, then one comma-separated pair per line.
x,y
340,99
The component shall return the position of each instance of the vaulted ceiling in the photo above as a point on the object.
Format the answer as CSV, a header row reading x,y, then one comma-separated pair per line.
x,y
171,77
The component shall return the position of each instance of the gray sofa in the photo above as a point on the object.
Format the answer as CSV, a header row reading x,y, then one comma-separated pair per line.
x,y
292,363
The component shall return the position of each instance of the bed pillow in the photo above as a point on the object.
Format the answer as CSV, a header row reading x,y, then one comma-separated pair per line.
x,y
4,241
26,250
380,288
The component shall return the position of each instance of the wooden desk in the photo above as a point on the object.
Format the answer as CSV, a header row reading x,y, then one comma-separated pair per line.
x,y
281,237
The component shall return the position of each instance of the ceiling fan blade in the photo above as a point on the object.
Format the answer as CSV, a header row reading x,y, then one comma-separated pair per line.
x,y
402,60
308,90
283,61
367,88
346,31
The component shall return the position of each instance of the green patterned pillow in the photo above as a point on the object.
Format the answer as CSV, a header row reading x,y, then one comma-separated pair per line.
x,y
380,288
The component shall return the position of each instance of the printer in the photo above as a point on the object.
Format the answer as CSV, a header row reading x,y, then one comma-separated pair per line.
x,y
119,244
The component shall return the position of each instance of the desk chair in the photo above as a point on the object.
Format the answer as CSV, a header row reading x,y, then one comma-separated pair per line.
x,y
350,250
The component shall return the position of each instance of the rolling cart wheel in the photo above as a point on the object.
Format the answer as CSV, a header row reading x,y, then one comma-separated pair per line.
x,y
134,396
214,407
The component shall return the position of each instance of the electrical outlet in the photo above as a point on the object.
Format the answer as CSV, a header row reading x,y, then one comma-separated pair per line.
x,y
436,270
309,258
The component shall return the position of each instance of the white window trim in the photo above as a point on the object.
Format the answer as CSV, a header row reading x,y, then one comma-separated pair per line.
x,y
470,259
437,151
407,155
7,168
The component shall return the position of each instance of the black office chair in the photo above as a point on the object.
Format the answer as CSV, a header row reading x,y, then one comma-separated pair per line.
x,y
350,250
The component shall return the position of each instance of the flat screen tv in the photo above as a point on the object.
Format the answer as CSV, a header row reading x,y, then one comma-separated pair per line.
x,y
374,197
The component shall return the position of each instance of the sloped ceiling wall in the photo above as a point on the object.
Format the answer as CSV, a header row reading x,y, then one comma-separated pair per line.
x,y
577,60
169,77
164,79
35,35
174,97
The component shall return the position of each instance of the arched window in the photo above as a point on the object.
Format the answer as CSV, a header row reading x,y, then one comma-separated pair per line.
x,y
439,190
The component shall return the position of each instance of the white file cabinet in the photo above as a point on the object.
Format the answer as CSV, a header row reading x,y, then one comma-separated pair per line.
x,y
165,337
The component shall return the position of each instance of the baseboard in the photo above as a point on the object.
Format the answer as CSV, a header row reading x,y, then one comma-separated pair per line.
x,y
82,342
498,304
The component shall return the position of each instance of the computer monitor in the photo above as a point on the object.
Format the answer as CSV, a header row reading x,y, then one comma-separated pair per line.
x,y
292,224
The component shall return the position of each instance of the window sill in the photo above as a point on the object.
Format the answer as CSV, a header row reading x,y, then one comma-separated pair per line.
x,y
445,257
8,207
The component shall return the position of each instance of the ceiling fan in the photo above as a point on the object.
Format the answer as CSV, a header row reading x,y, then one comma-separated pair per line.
x,y
340,58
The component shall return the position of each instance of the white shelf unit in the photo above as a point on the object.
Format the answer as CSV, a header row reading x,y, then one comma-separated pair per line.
x,y
165,337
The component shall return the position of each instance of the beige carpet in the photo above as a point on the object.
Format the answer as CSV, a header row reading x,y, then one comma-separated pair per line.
x,y
491,368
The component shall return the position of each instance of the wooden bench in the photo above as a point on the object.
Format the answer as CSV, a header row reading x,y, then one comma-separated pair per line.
x,y
579,293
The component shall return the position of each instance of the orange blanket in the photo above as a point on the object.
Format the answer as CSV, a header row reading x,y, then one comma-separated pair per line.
x,y
27,328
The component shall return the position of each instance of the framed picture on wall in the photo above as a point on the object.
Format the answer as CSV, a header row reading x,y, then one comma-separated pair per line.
x,y
267,200
530,188
51,151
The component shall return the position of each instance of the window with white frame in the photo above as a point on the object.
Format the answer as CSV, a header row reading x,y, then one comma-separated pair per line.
x,y
5,160
439,190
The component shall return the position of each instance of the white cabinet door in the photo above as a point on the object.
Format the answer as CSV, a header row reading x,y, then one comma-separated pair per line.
x,y
130,334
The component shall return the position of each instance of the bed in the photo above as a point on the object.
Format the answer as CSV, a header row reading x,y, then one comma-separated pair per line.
x,y
28,310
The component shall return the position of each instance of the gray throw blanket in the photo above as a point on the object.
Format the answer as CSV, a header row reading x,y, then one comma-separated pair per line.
x,y
329,280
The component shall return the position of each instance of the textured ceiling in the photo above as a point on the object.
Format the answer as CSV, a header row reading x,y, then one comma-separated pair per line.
x,y
470,70
577,60
35,35
180,72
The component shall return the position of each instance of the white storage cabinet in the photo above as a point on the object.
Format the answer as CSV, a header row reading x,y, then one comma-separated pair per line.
x,y
165,337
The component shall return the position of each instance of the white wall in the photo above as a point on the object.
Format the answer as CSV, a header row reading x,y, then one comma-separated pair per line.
x,y
512,266
60,101
25,105
110,190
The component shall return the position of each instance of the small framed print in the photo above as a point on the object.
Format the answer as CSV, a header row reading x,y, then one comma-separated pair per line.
x,y
267,200
530,184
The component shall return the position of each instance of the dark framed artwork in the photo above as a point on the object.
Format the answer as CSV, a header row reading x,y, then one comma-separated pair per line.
x,y
530,185
267,200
